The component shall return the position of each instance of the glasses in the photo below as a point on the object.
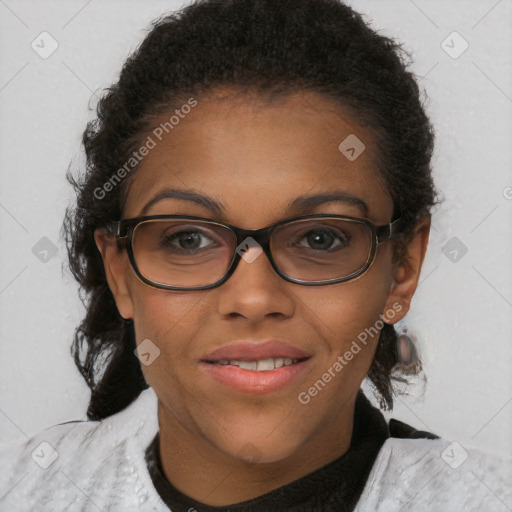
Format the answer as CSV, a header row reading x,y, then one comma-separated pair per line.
x,y
183,252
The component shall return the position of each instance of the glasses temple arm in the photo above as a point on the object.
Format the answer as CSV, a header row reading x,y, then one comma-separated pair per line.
x,y
391,230
114,228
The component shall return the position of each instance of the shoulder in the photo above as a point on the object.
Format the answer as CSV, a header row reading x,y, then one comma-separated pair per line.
x,y
427,474
83,465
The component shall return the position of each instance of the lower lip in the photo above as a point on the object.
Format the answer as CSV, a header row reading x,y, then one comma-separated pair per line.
x,y
253,381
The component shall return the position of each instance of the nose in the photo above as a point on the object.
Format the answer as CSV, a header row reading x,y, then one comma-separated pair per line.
x,y
254,290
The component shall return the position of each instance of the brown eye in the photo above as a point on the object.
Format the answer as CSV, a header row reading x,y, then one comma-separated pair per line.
x,y
186,240
322,239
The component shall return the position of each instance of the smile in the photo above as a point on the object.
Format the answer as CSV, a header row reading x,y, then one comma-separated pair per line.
x,y
261,376
261,365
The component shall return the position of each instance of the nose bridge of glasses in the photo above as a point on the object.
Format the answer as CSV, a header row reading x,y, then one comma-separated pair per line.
x,y
261,236
246,249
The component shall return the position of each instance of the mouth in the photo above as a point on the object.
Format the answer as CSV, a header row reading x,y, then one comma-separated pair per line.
x,y
259,365
255,368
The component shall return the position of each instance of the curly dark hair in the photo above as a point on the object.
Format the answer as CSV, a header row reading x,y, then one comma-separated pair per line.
x,y
274,48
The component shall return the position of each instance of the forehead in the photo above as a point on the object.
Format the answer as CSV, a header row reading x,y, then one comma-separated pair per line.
x,y
255,156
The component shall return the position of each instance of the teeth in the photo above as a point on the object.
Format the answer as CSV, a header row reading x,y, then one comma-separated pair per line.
x,y
260,365
278,362
265,364
247,365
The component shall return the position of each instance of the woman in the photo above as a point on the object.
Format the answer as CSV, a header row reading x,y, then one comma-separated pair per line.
x,y
251,225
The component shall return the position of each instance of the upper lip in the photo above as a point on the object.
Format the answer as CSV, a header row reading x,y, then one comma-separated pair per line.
x,y
253,350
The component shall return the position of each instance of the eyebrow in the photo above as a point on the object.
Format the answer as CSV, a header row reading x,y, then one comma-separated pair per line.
x,y
309,202
217,207
188,195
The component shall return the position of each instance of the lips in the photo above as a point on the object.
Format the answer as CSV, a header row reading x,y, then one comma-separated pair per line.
x,y
256,368
252,351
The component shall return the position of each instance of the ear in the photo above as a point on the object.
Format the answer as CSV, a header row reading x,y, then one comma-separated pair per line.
x,y
117,265
406,273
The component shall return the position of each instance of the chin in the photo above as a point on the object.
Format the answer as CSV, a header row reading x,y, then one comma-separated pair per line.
x,y
261,450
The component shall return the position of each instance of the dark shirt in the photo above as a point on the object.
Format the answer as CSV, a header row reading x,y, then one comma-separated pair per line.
x,y
334,487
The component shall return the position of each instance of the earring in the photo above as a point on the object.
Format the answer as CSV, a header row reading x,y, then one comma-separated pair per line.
x,y
406,352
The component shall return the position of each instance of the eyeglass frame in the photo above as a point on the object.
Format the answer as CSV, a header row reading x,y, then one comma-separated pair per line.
x,y
123,230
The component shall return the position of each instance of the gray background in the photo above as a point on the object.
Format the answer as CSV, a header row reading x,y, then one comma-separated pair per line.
x,y
461,314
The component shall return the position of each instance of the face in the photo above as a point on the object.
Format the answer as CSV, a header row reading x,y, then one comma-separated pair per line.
x,y
254,159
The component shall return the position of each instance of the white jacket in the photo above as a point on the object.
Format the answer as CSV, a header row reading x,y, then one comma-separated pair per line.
x,y
100,466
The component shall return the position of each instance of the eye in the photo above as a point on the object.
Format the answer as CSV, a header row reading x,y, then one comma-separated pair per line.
x,y
186,240
323,239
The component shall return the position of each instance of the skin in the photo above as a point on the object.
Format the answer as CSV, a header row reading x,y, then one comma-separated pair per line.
x,y
252,156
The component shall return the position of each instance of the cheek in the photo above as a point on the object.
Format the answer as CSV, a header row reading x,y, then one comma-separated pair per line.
x,y
170,320
345,310
347,318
